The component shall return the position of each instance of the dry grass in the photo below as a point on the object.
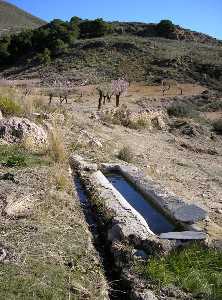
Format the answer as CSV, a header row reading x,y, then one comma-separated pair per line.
x,y
62,179
50,255
56,145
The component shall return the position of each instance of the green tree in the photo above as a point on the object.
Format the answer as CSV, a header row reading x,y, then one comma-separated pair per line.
x,y
166,28
95,28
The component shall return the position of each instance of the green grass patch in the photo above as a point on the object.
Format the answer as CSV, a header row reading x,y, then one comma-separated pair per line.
x,y
9,106
15,156
195,269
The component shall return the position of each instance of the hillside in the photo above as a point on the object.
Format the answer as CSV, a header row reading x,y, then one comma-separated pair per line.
x,y
91,51
13,19
140,59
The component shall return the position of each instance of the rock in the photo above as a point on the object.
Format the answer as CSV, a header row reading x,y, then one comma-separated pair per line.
x,y
18,207
183,235
1,116
3,254
16,129
190,214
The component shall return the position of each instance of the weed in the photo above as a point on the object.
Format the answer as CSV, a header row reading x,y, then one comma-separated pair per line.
x,y
126,154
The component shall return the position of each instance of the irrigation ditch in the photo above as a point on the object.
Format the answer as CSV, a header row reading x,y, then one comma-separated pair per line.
x,y
131,217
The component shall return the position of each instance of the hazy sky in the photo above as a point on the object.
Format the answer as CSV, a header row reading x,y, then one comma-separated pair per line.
x,y
200,15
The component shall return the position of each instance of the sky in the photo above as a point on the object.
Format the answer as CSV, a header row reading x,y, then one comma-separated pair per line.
x,y
199,15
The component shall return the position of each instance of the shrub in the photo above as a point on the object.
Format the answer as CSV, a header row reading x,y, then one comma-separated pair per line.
x,y
217,126
213,106
182,110
125,154
9,106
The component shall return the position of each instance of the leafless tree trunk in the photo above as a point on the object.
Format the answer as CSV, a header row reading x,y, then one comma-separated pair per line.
x,y
117,100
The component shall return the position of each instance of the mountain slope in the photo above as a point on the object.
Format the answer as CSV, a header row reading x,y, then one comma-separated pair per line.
x,y
14,19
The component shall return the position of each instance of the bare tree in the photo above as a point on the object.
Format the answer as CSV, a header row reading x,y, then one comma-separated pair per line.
x,y
119,88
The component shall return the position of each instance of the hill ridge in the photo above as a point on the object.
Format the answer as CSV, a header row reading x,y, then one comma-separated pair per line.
x,y
13,19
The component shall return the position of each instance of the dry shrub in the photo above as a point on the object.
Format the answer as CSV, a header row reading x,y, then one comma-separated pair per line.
x,y
140,123
126,154
62,179
56,145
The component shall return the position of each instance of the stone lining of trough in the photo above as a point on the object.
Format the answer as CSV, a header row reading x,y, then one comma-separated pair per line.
x,y
168,203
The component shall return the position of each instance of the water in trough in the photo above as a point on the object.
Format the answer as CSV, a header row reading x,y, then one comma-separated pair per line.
x,y
156,220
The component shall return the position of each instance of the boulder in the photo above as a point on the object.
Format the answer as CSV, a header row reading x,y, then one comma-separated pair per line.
x,y
15,129
19,207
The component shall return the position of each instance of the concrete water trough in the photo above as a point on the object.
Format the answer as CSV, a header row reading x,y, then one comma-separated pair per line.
x,y
127,194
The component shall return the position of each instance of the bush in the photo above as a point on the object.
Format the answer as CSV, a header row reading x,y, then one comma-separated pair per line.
x,y
182,110
217,126
44,57
9,106
125,154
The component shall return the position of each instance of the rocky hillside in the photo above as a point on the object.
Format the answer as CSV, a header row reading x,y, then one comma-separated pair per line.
x,y
151,30
13,19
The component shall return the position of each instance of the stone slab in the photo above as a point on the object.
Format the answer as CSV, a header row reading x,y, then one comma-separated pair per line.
x,y
190,214
184,235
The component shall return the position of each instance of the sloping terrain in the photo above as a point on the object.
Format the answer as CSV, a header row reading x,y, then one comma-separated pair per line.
x,y
14,19
139,59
